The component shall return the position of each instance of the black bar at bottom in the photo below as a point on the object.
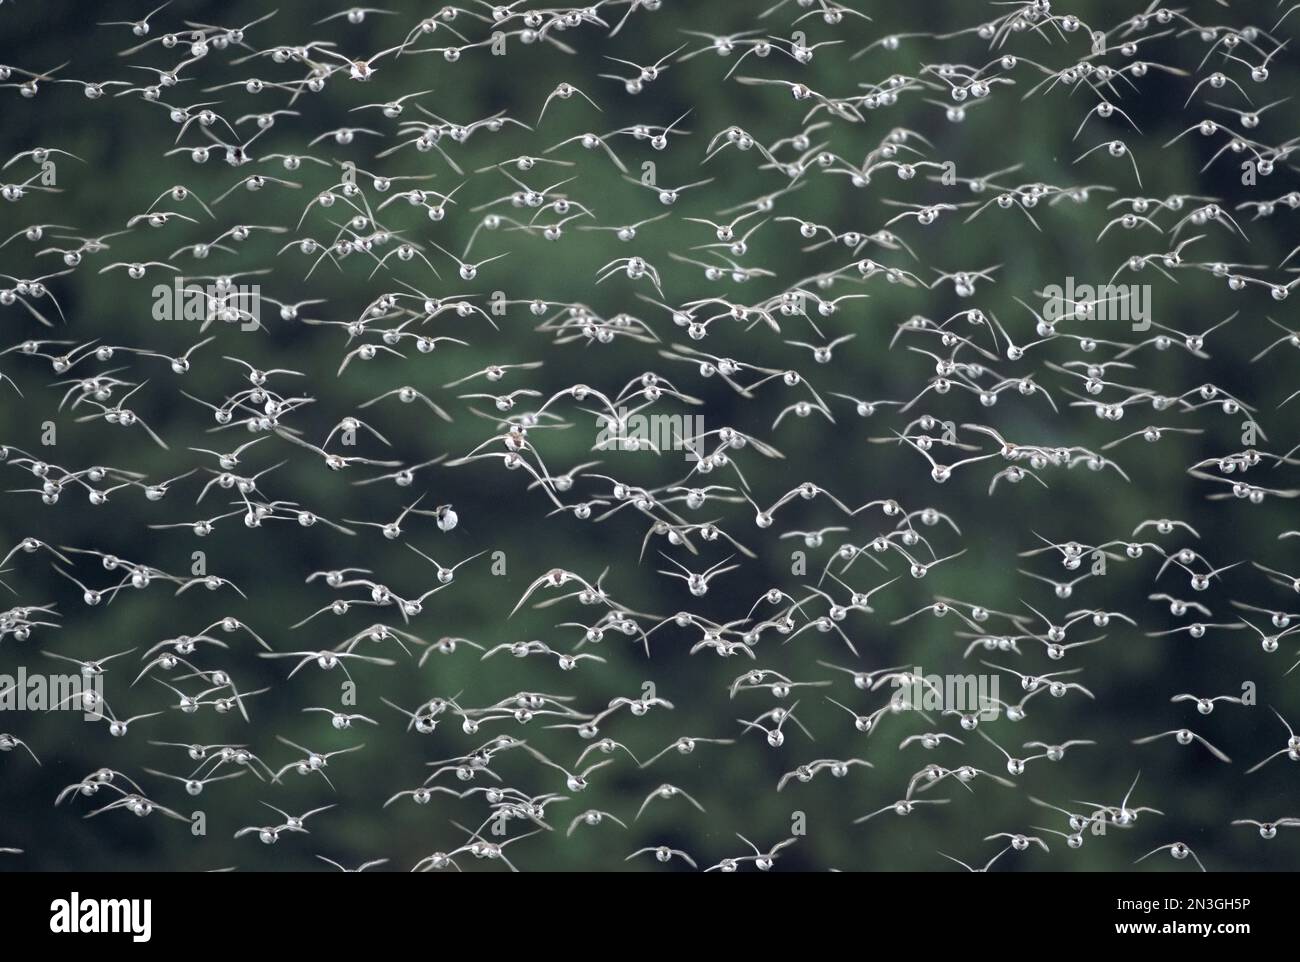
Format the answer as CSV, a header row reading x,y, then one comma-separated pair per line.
x,y
334,911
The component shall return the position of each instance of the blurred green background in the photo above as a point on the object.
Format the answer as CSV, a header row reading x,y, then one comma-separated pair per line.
x,y
122,141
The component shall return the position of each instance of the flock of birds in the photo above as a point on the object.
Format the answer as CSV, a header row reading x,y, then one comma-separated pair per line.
x,y
379,178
